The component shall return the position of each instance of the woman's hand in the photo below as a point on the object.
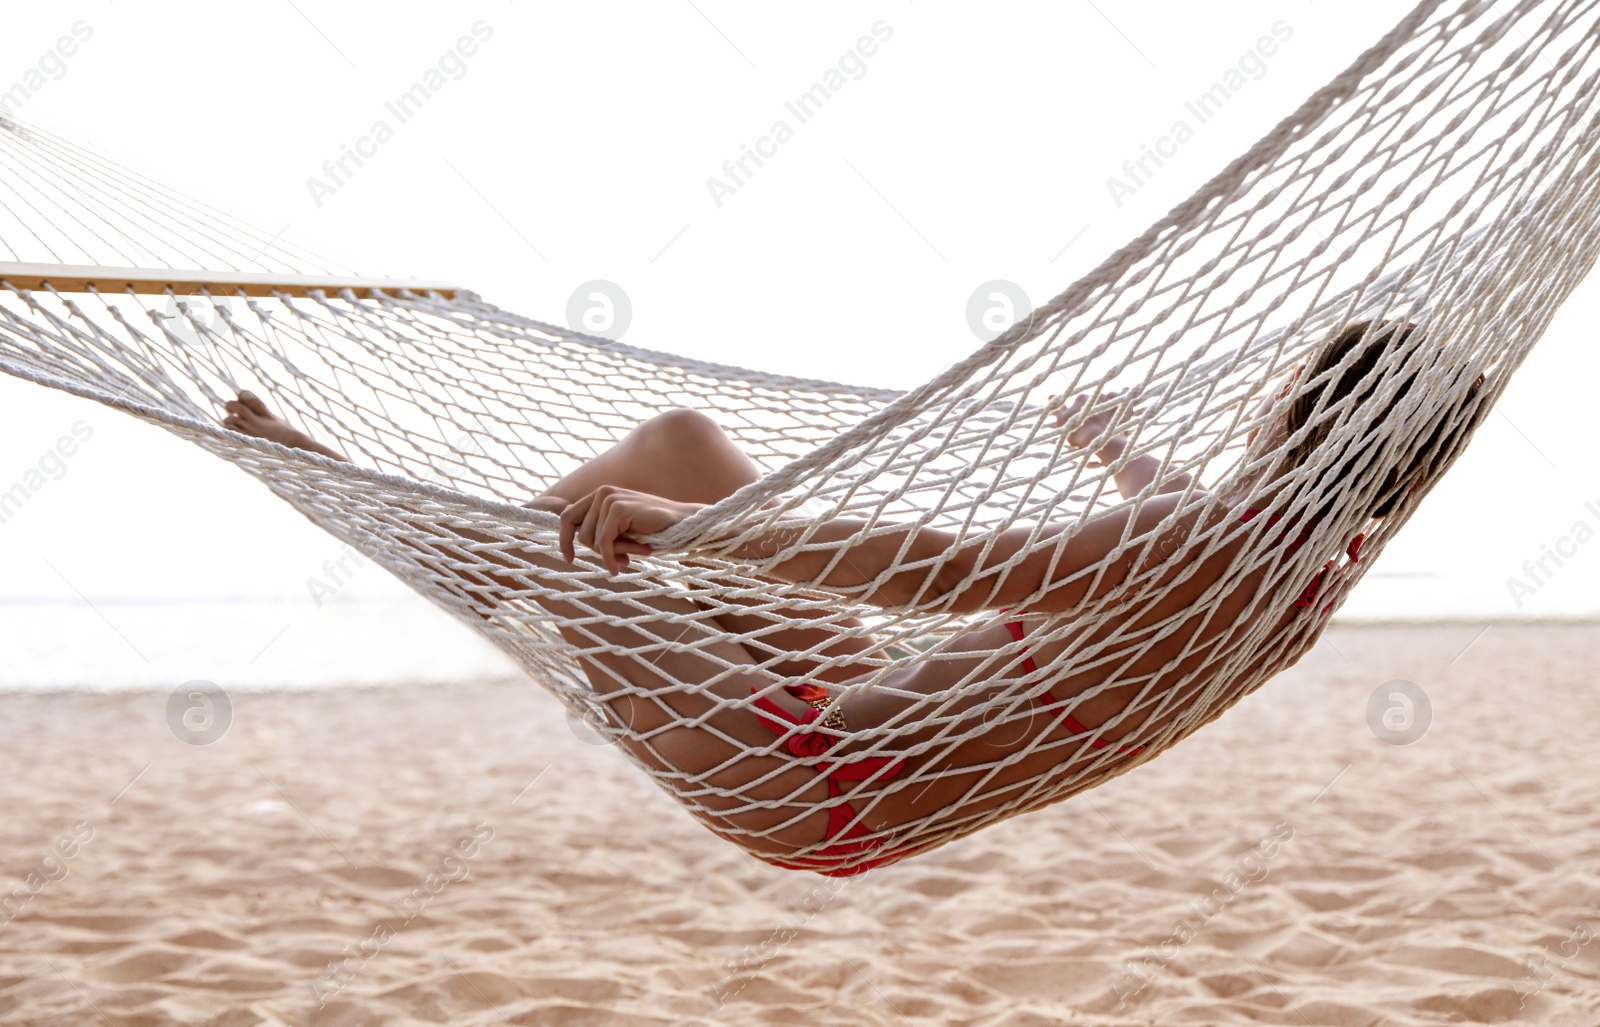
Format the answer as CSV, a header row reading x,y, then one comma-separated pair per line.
x,y
1093,426
599,520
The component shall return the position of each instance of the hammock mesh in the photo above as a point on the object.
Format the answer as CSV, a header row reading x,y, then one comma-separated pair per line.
x,y
1448,178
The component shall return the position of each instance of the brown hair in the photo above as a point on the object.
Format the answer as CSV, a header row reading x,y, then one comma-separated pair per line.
x,y
1390,339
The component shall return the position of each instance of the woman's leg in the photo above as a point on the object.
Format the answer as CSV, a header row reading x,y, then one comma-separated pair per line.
x,y
683,455
679,691
680,455
664,666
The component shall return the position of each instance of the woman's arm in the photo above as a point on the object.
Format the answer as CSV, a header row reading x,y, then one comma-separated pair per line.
x,y
898,565
924,567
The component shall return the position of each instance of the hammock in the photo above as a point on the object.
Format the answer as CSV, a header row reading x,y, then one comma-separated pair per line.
x,y
1448,179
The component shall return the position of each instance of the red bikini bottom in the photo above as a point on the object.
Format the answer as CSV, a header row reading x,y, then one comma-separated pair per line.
x,y
1068,721
849,839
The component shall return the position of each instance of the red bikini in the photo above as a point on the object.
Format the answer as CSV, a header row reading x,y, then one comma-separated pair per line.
x,y
848,839
1068,721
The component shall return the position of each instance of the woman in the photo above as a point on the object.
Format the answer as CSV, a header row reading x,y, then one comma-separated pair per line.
x,y
841,811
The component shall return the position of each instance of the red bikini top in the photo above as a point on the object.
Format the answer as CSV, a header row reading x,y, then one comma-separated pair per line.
x,y
1309,596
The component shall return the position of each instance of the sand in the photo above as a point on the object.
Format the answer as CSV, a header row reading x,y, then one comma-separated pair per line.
x,y
460,855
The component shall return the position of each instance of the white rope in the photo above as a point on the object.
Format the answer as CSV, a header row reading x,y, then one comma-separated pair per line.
x,y
1450,179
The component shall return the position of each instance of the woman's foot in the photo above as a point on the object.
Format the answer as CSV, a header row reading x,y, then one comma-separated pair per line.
x,y
249,416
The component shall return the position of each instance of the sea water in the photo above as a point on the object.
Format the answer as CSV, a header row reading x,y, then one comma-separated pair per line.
x,y
252,644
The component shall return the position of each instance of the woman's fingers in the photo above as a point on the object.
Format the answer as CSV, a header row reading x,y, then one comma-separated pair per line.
x,y
572,518
598,521
591,520
1110,406
1084,432
1064,411
614,522
1110,399
622,515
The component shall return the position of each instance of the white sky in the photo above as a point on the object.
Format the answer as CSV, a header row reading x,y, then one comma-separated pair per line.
x,y
577,146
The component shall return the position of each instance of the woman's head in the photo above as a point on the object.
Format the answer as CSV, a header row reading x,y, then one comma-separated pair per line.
x,y
1386,344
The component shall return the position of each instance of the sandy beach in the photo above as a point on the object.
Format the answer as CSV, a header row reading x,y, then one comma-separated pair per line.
x,y
462,856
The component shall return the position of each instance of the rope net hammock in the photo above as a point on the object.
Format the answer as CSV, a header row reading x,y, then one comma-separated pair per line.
x,y
1446,182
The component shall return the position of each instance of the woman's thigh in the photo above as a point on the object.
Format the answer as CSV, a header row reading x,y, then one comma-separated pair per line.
x,y
678,692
